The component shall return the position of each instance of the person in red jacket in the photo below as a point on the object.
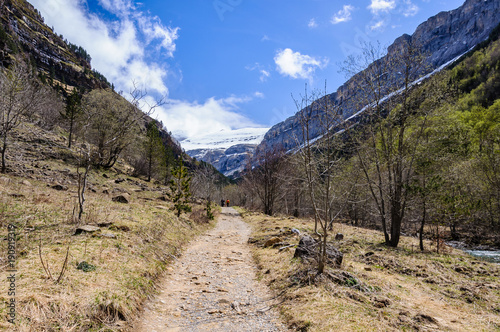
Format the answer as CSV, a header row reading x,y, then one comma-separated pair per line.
x,y
227,203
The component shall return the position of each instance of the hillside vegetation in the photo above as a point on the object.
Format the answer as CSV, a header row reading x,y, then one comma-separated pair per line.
x,y
377,288
425,158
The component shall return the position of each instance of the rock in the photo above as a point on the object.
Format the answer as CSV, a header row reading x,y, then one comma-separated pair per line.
x,y
121,199
106,176
296,231
339,236
423,318
5,180
105,224
272,241
108,235
381,302
105,192
308,249
26,183
119,180
17,195
87,229
123,228
59,187
162,198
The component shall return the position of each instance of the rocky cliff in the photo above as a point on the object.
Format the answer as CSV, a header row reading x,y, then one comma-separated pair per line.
x,y
444,37
23,33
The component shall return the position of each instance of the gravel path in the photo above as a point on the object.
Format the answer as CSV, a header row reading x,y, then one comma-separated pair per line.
x,y
212,287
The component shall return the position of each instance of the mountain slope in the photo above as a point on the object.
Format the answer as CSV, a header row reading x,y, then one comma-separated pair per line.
x,y
227,151
444,37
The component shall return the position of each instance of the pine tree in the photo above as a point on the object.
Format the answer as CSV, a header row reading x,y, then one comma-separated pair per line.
x,y
180,188
155,151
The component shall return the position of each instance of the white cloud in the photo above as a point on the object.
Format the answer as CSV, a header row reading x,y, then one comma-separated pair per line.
x,y
378,6
296,65
379,25
264,75
411,9
343,15
312,23
118,47
259,94
190,119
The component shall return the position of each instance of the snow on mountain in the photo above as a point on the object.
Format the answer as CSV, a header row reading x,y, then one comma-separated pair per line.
x,y
224,139
226,150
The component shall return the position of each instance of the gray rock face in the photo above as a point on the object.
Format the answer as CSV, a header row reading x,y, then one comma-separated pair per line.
x,y
230,161
444,37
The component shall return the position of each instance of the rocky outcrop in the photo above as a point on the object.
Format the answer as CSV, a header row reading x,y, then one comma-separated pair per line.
x,y
22,29
444,37
229,162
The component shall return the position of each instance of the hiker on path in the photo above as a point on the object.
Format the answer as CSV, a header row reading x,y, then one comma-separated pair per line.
x,y
222,202
227,203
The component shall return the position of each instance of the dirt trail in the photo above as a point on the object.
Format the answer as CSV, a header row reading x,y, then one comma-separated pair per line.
x,y
212,287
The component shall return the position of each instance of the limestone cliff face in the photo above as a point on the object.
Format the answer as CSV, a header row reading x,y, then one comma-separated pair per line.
x,y
24,33
444,37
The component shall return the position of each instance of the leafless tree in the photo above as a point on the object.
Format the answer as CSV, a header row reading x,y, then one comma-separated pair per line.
x,y
320,159
264,176
386,149
20,96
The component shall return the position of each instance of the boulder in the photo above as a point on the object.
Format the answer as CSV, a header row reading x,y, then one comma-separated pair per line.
x,y
308,249
59,187
87,229
121,199
339,236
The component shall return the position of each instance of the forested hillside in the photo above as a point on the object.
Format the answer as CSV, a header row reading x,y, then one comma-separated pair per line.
x,y
424,162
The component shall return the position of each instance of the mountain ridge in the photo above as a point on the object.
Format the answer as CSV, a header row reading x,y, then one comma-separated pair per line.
x,y
444,36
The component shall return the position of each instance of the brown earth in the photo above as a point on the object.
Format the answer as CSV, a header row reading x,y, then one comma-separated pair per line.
x,y
213,286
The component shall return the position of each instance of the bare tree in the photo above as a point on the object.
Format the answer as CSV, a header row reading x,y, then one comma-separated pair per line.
x,y
386,148
320,159
264,176
20,97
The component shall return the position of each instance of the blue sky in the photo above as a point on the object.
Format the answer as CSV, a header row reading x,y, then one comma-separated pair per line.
x,y
229,64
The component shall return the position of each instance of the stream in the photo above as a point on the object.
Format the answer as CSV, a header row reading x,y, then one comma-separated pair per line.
x,y
491,255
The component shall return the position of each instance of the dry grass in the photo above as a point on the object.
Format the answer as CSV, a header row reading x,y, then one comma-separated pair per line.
x,y
383,289
129,254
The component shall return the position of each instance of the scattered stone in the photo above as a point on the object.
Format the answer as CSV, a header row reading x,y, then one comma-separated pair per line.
x,y
272,241
162,198
339,236
368,269
296,231
308,249
236,306
380,302
123,228
59,187
121,199
214,311
109,235
423,318
86,229
106,176
17,195
119,180
105,224
105,192
263,310
5,180
26,183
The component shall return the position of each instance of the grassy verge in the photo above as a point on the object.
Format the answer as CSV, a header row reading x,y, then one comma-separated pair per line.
x,y
123,260
378,288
